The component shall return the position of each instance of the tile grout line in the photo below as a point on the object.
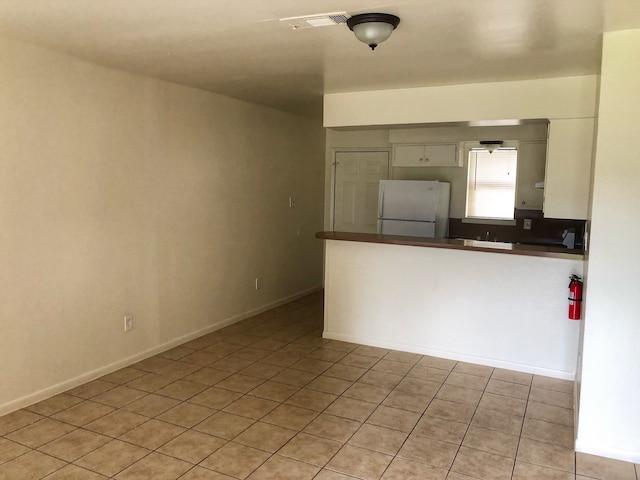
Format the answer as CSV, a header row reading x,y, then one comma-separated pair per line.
x,y
80,427
473,415
422,414
276,326
156,450
394,389
346,442
332,402
524,416
242,396
271,454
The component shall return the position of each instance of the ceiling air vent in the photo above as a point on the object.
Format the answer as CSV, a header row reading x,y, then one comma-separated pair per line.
x,y
318,20
339,17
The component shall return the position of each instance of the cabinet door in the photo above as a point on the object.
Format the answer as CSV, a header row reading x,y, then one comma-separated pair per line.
x,y
435,155
408,155
568,171
531,163
441,155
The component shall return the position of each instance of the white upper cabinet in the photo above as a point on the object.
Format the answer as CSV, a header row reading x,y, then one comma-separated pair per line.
x,y
426,155
568,171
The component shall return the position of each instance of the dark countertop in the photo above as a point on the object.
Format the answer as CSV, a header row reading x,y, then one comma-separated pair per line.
x,y
456,244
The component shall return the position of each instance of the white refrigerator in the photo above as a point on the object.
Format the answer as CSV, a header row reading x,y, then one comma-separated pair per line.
x,y
413,208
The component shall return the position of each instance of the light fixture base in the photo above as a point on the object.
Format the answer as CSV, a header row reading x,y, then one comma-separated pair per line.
x,y
491,145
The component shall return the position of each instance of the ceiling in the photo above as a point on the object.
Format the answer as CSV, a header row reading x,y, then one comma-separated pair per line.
x,y
242,49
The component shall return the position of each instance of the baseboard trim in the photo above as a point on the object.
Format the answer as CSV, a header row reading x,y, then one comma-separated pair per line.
x,y
61,387
600,451
490,362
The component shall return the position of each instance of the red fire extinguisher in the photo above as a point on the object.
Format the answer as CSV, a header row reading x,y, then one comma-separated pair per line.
x,y
575,297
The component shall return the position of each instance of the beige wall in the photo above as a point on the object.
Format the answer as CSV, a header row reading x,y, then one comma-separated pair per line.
x,y
609,418
121,194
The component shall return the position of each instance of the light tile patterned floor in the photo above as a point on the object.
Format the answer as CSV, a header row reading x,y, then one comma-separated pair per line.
x,y
268,398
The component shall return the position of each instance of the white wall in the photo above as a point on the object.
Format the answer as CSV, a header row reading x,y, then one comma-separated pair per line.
x,y
495,309
123,194
609,419
567,97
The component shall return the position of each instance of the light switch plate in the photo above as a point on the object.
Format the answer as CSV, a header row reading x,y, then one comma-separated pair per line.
x,y
128,323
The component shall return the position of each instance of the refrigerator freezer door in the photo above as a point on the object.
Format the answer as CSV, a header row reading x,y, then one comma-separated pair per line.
x,y
403,227
408,200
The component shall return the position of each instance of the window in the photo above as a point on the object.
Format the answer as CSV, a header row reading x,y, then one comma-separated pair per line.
x,y
491,183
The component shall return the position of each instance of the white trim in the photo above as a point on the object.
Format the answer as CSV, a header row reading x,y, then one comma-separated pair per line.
x,y
112,367
490,362
466,148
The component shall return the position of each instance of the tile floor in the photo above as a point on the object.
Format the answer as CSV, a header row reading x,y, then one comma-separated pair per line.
x,y
268,398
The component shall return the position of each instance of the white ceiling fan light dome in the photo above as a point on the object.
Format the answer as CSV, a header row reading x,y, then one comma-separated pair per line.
x,y
373,28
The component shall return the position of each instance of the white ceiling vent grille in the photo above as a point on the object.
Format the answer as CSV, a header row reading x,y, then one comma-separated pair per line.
x,y
318,20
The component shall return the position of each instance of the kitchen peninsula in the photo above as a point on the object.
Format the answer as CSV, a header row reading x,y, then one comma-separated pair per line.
x,y
491,303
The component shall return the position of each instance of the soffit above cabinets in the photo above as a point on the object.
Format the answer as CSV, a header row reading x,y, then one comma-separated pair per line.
x,y
463,132
243,49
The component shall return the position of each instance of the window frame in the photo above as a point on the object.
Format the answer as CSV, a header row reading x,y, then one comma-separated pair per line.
x,y
466,149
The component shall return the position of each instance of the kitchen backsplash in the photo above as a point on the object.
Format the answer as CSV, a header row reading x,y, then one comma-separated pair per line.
x,y
544,231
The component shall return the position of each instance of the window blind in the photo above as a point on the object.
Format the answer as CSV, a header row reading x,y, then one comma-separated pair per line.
x,y
491,183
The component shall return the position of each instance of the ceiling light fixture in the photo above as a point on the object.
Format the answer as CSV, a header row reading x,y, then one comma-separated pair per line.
x,y
373,28
491,145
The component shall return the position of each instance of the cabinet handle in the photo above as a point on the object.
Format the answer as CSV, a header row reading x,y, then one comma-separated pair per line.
x,y
421,160
426,160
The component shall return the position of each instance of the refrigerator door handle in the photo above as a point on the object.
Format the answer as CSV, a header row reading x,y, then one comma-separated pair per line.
x,y
381,203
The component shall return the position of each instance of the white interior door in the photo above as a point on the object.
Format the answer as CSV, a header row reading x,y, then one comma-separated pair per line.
x,y
356,175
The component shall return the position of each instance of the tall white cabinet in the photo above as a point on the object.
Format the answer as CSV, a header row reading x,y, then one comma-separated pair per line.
x,y
568,170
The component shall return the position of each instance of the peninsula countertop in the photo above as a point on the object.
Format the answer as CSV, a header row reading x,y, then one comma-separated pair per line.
x,y
456,244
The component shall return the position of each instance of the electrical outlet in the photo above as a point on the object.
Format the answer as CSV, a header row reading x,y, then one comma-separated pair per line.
x,y
292,202
526,224
128,323
257,284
